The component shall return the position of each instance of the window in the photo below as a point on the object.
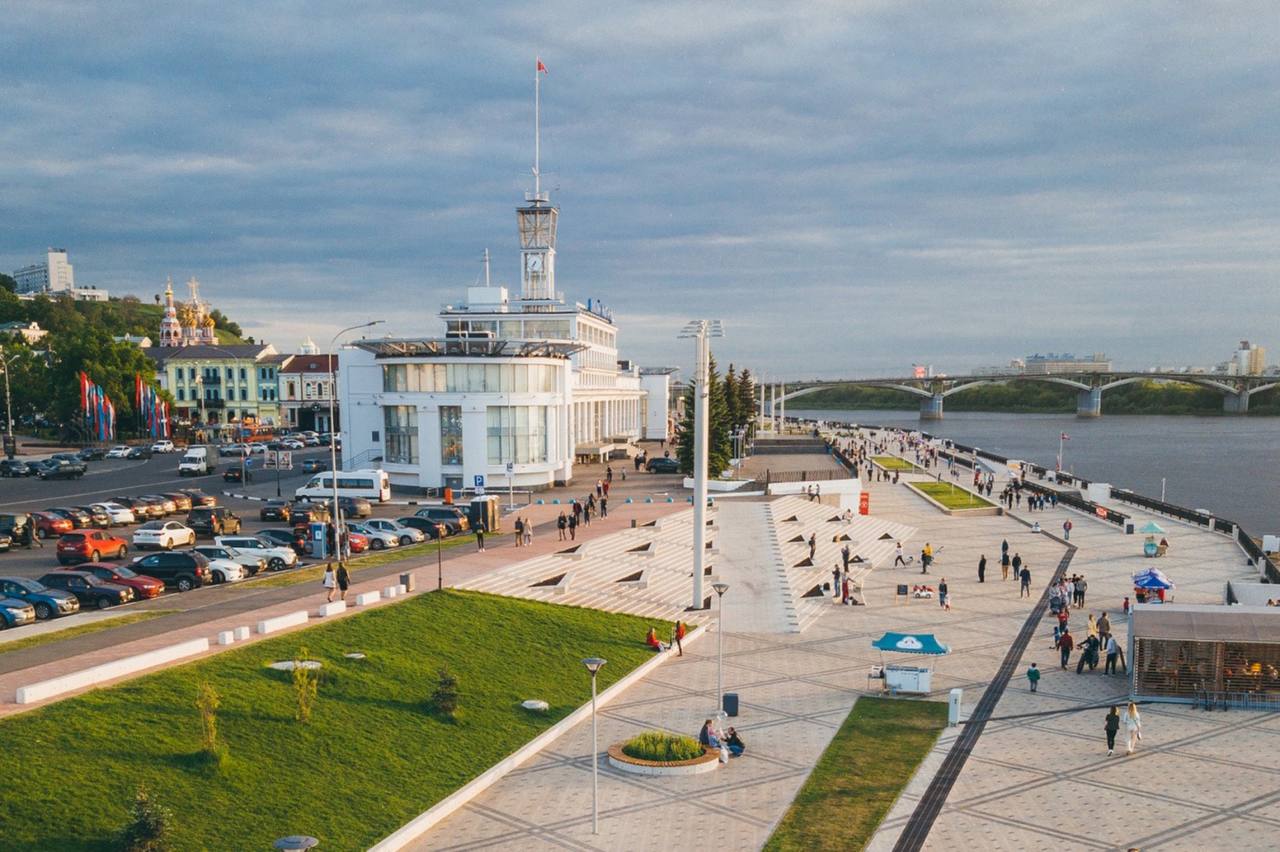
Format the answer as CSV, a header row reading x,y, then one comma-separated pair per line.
x,y
191,373
401,422
243,375
291,390
450,434
181,394
516,434
231,373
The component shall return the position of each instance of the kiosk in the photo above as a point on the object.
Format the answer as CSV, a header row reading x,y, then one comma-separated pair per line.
x,y
910,680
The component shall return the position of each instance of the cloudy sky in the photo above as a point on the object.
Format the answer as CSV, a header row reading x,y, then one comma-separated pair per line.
x,y
851,186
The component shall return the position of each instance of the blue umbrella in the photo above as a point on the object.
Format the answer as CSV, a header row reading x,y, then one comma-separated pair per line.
x,y
911,643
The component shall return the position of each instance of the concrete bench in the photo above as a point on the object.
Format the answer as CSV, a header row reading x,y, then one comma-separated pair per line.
x,y
390,591
109,671
366,598
226,637
241,633
280,622
333,608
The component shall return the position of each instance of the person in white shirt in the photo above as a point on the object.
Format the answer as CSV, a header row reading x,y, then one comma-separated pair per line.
x,y
1113,653
1133,726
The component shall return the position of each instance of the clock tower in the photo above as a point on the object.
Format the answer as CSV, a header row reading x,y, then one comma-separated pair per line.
x,y
537,222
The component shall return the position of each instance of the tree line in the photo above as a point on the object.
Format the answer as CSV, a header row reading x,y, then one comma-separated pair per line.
x,y
731,410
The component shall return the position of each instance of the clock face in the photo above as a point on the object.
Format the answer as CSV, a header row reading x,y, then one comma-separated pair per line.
x,y
533,262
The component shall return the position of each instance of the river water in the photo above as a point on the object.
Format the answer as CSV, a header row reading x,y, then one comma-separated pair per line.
x,y
1229,465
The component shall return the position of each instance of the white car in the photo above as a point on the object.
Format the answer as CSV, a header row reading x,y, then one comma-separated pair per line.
x,y
252,563
226,571
119,515
293,444
163,447
257,448
407,535
378,539
277,557
163,535
118,452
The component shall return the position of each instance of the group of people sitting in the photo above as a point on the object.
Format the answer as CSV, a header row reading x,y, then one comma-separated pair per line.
x,y
729,743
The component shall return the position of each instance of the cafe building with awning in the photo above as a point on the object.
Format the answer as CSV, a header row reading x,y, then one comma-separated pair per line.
x,y
1213,655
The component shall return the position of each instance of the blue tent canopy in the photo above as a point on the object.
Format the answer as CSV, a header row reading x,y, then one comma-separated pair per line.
x,y
911,643
1152,578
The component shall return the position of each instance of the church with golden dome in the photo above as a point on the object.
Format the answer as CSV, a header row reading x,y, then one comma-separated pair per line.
x,y
186,323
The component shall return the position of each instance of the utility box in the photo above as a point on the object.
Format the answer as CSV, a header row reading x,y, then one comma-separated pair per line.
x,y
953,707
483,513
406,580
316,533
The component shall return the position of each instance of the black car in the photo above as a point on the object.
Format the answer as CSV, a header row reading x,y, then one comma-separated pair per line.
x,y
15,467
279,537
355,507
72,459
49,603
184,570
59,469
314,465
274,510
451,516
88,589
101,520
306,512
199,498
432,528
92,454
79,518
213,520
663,465
139,453
237,474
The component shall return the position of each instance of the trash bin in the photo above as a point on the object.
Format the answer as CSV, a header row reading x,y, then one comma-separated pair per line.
x,y
448,496
731,703
406,580
1128,527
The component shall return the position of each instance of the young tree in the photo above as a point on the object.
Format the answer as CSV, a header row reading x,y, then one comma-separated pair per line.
x,y
747,401
719,446
444,700
731,397
150,826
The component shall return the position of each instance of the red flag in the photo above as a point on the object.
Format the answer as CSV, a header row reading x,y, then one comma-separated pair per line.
x,y
542,68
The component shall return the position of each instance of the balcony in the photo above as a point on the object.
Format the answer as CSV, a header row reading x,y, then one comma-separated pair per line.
x,y
212,404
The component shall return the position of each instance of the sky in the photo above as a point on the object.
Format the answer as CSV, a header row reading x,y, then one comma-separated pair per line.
x,y
851,187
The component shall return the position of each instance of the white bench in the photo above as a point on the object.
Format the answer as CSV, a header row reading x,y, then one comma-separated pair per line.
x,y
226,637
280,622
333,608
366,598
109,671
390,591
241,633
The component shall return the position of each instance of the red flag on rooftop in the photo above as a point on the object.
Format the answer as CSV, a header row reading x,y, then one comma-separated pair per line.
x,y
542,67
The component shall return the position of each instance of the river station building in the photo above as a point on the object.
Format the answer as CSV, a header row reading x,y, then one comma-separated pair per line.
x,y
517,389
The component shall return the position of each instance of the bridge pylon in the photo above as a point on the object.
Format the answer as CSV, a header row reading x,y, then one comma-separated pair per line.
x,y
931,407
1089,403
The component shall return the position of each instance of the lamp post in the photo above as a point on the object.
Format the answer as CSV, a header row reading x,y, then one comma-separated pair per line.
x,y
720,588
439,557
9,443
700,331
594,665
333,437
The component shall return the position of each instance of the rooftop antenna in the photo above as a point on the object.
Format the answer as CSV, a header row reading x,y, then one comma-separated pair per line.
x,y
486,267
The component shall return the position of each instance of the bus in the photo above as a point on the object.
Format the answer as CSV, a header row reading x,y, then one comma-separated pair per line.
x,y
370,484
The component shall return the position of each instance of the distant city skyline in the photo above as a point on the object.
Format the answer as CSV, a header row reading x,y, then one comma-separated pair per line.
x,y
850,189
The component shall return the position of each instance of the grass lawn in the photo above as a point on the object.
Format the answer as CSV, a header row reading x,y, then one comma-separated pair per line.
x,y
370,759
860,775
893,463
426,549
951,496
80,630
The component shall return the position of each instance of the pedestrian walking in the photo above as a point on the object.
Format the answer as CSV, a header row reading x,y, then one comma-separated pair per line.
x,y
1033,677
1004,564
344,581
982,569
573,527
1133,726
562,525
1082,586
835,580
528,533
813,545
1113,654
480,537
1065,645
897,556
1112,727
1017,564
604,507
1125,607
1066,529
330,583
944,600
1025,578
679,637
519,525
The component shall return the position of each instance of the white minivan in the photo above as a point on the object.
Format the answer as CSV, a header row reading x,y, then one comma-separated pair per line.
x,y
195,462
372,485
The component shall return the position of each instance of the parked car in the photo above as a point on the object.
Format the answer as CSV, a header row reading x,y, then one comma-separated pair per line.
x,y
378,539
120,451
282,537
163,535
143,510
662,465
144,587
139,453
357,542
168,504
451,516
213,520
293,444
199,498
181,501
355,507
88,589
49,525
428,527
72,459
17,525
59,469
91,454
15,613
119,515
163,447
306,512
184,571
278,557
79,519
236,450
48,603
274,510
15,467
90,546
314,465
98,519
258,448
225,571
6,542
407,535
252,563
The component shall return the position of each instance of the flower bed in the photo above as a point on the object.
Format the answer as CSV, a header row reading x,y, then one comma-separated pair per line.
x,y
659,753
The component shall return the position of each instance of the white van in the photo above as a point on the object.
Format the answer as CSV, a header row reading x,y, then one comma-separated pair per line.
x,y
372,485
195,462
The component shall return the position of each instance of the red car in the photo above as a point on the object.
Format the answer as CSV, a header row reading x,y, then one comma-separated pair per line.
x,y
90,546
358,542
144,587
48,526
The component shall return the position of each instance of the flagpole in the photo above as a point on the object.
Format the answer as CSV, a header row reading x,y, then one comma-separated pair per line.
x,y
537,129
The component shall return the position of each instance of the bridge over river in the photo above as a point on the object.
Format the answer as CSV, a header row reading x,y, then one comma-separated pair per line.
x,y
1089,387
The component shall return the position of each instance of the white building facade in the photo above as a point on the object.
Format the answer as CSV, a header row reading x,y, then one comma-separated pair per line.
x,y
55,277
514,393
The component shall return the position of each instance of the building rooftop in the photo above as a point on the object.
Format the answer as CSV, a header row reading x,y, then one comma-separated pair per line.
x,y
232,352
310,364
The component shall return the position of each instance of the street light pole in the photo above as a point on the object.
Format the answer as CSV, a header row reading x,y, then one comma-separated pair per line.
x,y
333,437
720,588
594,665
700,331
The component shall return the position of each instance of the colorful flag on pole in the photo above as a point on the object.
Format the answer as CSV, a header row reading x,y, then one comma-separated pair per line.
x,y
542,68
1065,436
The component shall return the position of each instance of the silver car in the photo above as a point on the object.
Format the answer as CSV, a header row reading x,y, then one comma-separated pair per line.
x,y
378,539
407,535
249,562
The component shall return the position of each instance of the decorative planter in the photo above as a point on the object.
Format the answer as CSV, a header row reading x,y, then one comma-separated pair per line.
x,y
706,763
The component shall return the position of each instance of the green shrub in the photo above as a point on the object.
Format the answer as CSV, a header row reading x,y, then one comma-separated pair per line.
x,y
150,826
444,701
661,746
306,686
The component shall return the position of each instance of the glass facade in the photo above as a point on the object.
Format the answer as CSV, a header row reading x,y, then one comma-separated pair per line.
x,y
517,433
401,424
470,378
451,434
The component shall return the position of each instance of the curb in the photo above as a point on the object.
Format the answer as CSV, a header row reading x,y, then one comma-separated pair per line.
x,y
422,823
